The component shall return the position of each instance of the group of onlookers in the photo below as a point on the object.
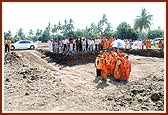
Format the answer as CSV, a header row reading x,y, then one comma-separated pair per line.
x,y
68,44
72,45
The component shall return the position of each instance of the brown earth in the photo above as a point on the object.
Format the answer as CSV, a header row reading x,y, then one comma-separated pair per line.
x,y
32,82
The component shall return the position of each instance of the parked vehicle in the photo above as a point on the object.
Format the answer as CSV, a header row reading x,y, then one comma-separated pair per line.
x,y
24,44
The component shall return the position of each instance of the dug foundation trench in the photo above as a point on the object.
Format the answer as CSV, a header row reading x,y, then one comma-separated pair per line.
x,y
70,59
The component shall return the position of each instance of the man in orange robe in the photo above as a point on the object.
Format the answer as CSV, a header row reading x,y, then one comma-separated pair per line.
x,y
127,68
100,60
146,43
110,41
107,59
104,71
149,43
160,45
122,59
117,70
113,62
9,44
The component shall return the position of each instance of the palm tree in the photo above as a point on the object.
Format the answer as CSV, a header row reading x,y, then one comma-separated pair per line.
x,y
64,28
54,29
94,31
143,21
39,34
30,37
31,32
59,26
70,25
103,25
21,34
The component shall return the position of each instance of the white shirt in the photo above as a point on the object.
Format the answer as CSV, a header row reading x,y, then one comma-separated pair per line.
x,y
96,41
83,42
89,42
63,42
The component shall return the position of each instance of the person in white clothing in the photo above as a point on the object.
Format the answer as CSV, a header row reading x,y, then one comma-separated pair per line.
x,y
89,44
50,46
128,45
83,45
140,44
96,44
92,45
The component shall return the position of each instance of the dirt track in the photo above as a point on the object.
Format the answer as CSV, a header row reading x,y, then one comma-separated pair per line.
x,y
31,83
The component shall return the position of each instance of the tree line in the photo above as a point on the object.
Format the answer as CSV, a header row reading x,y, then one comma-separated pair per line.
x,y
103,28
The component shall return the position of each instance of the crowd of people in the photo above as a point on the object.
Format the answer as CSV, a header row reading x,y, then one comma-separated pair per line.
x,y
88,44
71,45
114,64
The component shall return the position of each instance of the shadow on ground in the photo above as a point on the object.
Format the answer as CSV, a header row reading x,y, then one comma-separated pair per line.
x,y
104,83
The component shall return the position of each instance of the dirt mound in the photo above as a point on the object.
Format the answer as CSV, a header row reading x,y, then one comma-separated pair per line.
x,y
12,57
146,52
146,94
34,85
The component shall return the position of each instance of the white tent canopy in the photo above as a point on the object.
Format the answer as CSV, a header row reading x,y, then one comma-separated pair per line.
x,y
118,43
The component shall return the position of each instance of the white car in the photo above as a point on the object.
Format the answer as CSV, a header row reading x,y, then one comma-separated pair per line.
x,y
24,44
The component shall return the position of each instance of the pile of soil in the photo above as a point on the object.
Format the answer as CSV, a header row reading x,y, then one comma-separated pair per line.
x,y
146,94
32,84
146,52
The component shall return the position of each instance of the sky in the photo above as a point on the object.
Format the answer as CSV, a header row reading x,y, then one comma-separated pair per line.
x,y
34,15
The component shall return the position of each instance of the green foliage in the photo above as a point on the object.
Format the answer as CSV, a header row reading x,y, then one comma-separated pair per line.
x,y
157,33
124,31
8,35
78,33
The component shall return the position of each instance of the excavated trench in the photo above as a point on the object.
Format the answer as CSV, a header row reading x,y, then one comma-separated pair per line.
x,y
77,58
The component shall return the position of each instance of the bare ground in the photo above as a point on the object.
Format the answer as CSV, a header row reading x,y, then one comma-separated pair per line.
x,y
33,84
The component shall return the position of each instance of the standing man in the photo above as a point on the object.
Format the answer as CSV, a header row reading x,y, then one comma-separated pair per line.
x,y
6,46
64,44
140,44
50,46
77,44
98,69
160,45
96,44
71,44
84,45
9,44
54,46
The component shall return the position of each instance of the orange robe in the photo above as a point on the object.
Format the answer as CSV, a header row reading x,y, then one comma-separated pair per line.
x,y
108,58
127,69
104,71
123,61
110,41
113,62
160,45
103,42
9,43
149,44
100,64
117,70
